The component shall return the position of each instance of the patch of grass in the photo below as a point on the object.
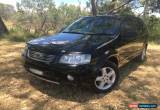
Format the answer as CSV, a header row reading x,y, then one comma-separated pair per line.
x,y
19,36
154,39
154,36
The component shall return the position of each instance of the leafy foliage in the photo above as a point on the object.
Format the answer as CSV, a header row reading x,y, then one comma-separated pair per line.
x,y
42,17
154,27
6,11
19,36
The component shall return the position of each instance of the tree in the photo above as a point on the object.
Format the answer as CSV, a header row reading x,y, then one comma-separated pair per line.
x,y
94,8
6,11
122,7
42,16
3,28
150,6
114,6
34,13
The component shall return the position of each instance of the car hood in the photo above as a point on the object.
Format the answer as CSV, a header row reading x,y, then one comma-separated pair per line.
x,y
67,42
58,39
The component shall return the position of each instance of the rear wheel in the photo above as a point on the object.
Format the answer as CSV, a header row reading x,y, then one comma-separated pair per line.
x,y
106,78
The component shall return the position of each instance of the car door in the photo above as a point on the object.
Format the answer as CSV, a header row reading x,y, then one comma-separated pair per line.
x,y
128,40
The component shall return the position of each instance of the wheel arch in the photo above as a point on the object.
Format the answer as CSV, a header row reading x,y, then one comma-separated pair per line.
x,y
114,59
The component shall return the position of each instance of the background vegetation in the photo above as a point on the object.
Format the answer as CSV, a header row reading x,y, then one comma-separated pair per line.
x,y
35,18
139,82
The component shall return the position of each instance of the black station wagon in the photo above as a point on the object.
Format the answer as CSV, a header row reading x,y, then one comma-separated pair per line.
x,y
91,49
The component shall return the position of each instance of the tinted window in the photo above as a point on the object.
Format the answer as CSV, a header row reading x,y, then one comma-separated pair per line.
x,y
100,39
95,25
129,29
142,28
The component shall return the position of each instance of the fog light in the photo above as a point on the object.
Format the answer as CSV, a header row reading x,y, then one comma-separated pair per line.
x,y
69,77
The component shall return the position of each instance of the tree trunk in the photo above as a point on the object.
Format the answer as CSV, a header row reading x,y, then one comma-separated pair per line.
x,y
3,28
79,5
145,12
94,8
43,23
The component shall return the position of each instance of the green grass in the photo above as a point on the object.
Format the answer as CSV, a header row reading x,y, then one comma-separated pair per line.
x,y
18,36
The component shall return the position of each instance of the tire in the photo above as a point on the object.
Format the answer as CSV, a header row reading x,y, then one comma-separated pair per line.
x,y
142,57
106,78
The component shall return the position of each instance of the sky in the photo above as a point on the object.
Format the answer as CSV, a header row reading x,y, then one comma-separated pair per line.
x,y
11,2
57,2
75,2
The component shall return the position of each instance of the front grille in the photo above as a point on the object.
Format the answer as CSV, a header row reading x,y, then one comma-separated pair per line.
x,y
43,57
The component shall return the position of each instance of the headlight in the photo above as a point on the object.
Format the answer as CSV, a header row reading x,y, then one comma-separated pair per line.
x,y
75,59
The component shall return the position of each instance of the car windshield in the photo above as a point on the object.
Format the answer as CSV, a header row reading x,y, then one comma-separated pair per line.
x,y
94,25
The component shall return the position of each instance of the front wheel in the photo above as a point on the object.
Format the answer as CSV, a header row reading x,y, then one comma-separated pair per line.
x,y
106,78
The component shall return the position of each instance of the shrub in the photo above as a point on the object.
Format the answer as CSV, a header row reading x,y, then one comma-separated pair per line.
x,y
19,36
153,24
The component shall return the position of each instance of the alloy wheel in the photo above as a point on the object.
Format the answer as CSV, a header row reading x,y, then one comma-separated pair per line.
x,y
106,79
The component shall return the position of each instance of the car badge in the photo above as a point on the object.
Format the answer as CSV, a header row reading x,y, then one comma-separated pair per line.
x,y
63,51
59,42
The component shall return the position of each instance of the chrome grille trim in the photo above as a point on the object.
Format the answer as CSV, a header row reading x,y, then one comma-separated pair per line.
x,y
38,56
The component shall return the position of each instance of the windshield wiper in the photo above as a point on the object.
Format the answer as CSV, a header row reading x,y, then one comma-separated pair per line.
x,y
98,34
73,32
87,33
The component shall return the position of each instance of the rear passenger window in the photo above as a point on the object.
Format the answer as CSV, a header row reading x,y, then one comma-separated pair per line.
x,y
140,27
129,29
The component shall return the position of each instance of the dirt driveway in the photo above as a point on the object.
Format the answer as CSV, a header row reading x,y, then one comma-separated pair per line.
x,y
139,82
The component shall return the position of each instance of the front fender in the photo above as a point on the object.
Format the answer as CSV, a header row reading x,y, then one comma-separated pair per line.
x,y
102,59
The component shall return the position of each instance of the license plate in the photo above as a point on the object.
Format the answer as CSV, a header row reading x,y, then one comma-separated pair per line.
x,y
35,71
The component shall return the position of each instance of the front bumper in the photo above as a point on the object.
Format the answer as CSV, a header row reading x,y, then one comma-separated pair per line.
x,y
57,73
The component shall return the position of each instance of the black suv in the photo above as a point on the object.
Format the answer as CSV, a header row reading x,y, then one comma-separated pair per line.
x,y
91,49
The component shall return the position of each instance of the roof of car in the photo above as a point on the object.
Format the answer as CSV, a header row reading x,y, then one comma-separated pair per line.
x,y
116,16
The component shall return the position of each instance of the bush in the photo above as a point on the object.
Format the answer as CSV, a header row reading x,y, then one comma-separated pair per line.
x,y
19,36
153,24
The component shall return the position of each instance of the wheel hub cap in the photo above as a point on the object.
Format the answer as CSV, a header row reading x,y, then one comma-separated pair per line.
x,y
107,78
